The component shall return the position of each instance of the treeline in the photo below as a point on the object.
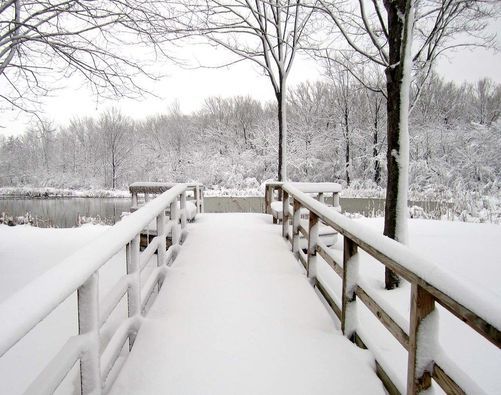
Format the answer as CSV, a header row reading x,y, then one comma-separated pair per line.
x,y
336,132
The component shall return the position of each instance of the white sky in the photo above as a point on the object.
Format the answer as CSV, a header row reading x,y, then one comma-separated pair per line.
x,y
191,87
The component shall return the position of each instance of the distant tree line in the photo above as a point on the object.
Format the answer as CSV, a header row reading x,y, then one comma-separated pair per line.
x,y
336,132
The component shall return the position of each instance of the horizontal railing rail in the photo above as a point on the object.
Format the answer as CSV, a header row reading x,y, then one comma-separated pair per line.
x,y
427,288
273,192
149,189
79,274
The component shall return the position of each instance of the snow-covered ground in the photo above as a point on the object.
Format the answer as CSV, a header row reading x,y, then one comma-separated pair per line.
x,y
471,251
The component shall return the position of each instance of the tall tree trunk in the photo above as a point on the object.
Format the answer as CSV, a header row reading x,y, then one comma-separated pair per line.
x,y
347,141
282,130
375,153
400,24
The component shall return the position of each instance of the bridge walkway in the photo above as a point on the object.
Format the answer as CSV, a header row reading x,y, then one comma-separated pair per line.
x,y
237,315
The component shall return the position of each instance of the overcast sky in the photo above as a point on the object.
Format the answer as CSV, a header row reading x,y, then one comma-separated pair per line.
x,y
191,86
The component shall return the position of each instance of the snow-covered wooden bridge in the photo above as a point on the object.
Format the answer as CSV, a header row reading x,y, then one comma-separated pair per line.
x,y
221,305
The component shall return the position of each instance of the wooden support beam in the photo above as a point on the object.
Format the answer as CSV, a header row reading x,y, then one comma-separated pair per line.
x,y
446,382
348,296
422,304
134,291
330,261
383,317
88,325
335,308
295,227
381,373
285,215
313,225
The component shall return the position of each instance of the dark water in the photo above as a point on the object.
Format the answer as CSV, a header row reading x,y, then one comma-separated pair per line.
x,y
68,212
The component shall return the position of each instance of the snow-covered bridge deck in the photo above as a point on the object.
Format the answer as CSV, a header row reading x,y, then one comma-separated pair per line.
x,y
237,315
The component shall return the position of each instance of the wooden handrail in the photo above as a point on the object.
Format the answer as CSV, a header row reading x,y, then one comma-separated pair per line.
x,y
425,289
156,188
320,189
79,273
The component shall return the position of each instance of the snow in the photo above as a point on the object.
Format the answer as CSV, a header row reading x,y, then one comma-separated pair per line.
x,y
481,300
237,315
318,187
402,156
470,251
25,254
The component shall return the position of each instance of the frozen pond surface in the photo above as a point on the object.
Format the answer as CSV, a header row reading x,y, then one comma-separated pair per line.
x,y
65,212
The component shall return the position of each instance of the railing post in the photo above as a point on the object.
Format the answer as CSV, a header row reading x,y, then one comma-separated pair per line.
x,y
296,216
162,245
88,325
197,198
422,304
350,271
174,217
285,215
133,204
201,194
313,226
335,203
134,290
182,205
267,202
321,197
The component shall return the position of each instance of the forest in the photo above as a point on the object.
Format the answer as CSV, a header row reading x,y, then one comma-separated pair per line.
x,y
336,133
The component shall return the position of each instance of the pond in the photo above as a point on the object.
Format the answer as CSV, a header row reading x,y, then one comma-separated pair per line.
x,y
69,212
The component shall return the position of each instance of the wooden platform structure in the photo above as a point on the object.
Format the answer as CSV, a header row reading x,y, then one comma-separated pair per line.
x,y
151,268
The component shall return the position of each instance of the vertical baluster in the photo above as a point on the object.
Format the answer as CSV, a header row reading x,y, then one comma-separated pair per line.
x,y
202,199
88,325
422,304
313,226
183,209
321,197
335,201
285,215
162,246
134,290
174,217
133,204
296,216
196,191
267,209
350,270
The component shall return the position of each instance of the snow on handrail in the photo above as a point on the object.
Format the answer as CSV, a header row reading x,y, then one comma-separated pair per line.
x,y
485,305
430,283
26,308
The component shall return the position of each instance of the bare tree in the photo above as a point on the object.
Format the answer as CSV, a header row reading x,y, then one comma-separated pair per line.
x,y
401,36
116,131
268,33
43,41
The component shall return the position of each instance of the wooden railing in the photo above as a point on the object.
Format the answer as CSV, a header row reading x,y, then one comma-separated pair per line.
x,y
273,192
80,273
143,192
427,289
